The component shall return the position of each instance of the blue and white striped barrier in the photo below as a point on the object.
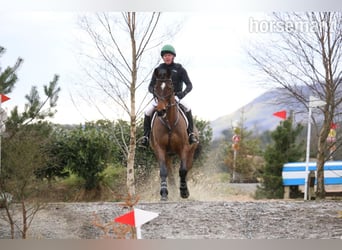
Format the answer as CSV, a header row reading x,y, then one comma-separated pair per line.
x,y
294,173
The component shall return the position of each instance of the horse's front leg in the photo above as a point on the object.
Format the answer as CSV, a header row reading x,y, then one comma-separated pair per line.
x,y
163,177
184,191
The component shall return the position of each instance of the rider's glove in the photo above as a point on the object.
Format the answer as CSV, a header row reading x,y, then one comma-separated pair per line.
x,y
180,95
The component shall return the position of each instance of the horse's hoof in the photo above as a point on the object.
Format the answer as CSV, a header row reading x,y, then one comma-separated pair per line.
x,y
163,198
184,194
163,194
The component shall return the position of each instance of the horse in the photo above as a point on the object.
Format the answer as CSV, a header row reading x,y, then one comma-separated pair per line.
x,y
169,135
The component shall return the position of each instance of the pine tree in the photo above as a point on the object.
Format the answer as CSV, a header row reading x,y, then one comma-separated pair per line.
x,y
284,149
244,167
37,108
22,151
8,76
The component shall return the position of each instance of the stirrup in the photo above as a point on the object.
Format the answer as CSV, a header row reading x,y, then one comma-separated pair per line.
x,y
192,138
144,142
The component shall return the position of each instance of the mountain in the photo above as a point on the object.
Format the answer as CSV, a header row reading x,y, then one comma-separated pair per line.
x,y
258,114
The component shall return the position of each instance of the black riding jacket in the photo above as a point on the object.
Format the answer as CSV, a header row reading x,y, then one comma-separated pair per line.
x,y
179,76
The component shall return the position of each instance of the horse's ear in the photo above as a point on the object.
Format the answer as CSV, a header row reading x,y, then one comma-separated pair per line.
x,y
155,73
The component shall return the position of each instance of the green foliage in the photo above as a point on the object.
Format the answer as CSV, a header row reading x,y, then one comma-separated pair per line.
x,y
22,156
144,158
205,137
120,135
265,139
86,150
22,148
113,175
8,77
284,149
73,180
55,165
26,134
247,162
36,109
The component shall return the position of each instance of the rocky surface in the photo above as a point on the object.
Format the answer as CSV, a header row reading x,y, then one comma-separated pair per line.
x,y
190,219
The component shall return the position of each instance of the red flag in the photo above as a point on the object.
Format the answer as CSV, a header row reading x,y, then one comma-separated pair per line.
x,y
333,125
281,114
4,98
127,218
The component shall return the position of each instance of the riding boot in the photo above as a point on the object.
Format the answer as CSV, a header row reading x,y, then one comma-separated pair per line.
x,y
192,136
147,131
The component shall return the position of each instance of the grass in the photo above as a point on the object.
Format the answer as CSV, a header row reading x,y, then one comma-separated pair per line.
x,y
71,189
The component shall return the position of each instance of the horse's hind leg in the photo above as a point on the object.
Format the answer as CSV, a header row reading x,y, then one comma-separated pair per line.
x,y
184,191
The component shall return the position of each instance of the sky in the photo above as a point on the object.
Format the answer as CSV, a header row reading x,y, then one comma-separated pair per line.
x,y
210,45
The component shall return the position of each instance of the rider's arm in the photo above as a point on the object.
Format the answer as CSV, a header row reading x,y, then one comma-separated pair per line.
x,y
187,82
151,85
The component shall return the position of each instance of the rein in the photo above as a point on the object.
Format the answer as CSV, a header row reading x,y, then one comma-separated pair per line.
x,y
166,122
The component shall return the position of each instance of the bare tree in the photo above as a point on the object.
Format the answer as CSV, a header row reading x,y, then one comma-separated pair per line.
x,y
120,63
305,53
19,179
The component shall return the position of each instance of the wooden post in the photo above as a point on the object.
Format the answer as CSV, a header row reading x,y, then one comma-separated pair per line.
x,y
287,192
311,185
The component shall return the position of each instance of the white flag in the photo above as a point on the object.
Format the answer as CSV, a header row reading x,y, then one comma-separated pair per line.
x,y
141,216
316,102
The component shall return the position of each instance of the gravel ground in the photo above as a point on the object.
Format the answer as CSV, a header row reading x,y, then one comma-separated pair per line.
x,y
215,210
189,219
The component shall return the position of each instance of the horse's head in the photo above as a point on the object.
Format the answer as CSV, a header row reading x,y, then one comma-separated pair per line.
x,y
163,91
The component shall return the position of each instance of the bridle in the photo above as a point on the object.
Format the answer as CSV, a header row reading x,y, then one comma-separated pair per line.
x,y
169,105
165,97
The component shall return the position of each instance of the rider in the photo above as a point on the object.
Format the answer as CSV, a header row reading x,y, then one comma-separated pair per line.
x,y
179,76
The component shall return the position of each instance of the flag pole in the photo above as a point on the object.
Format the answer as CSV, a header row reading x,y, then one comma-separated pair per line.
x,y
138,230
308,137
313,103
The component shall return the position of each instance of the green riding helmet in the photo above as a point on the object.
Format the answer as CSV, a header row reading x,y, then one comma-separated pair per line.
x,y
168,49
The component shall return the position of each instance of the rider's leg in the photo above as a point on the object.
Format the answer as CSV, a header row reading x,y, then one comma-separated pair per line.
x,y
190,130
192,137
147,125
147,131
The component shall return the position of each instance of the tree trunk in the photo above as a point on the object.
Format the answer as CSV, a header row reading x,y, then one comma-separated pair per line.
x,y
10,219
132,143
320,192
25,226
131,159
321,157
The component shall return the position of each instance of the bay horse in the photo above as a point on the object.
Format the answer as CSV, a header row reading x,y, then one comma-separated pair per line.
x,y
169,135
